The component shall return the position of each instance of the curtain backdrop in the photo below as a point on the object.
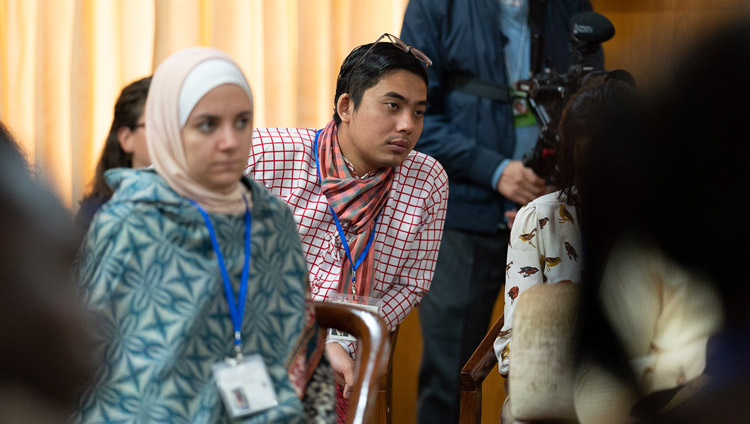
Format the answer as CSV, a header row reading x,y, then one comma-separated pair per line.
x,y
63,63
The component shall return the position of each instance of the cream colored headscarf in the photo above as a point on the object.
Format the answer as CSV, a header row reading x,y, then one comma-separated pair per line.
x,y
177,86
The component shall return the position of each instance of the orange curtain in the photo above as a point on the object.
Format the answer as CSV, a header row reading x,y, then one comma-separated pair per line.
x,y
63,63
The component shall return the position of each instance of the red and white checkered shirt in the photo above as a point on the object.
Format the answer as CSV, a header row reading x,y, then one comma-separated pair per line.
x,y
408,232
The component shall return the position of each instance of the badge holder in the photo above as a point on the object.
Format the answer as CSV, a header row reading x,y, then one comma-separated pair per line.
x,y
363,302
523,116
244,385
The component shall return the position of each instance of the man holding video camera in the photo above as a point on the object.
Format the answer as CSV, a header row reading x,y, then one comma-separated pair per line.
x,y
478,129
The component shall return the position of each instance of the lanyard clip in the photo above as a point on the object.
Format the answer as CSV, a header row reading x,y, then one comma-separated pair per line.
x,y
238,346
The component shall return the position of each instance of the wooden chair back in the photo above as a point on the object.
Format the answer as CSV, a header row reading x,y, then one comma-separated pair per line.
x,y
550,311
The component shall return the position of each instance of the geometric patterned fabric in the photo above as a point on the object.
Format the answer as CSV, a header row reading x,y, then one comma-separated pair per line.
x,y
150,276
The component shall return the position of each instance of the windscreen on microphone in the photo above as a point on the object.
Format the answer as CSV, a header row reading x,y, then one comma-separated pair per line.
x,y
591,27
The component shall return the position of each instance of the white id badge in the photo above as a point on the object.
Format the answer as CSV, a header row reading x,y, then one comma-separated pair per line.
x,y
244,385
363,302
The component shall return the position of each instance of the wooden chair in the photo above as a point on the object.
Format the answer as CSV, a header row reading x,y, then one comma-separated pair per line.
x,y
546,315
373,355
476,369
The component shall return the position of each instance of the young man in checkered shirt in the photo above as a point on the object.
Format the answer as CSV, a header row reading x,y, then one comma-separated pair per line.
x,y
359,177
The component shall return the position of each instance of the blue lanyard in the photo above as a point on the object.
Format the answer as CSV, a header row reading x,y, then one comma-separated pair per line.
x,y
236,309
340,230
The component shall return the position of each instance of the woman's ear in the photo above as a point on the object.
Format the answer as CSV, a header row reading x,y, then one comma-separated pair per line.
x,y
345,107
125,137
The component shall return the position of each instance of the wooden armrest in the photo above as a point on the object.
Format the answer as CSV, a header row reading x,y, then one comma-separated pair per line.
x,y
476,369
371,332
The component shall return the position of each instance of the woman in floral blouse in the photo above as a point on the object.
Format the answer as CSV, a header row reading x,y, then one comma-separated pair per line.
x,y
545,241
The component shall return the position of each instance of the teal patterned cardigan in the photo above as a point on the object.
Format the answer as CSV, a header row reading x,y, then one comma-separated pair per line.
x,y
150,276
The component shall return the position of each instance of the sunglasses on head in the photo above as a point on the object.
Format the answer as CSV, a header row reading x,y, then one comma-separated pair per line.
x,y
419,54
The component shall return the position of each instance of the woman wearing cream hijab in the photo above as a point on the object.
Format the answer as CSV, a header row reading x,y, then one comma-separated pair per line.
x,y
196,274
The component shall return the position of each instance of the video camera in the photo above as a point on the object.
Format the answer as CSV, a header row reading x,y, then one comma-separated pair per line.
x,y
548,91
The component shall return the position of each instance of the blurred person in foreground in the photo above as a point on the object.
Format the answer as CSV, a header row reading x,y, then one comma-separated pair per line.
x,y
370,210
196,273
690,149
44,355
125,147
545,244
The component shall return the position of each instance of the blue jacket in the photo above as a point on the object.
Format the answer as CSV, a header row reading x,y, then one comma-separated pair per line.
x,y
467,134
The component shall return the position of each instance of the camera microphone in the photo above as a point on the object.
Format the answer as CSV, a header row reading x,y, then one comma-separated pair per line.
x,y
548,90
591,27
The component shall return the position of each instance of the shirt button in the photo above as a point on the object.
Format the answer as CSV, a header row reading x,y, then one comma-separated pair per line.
x,y
315,290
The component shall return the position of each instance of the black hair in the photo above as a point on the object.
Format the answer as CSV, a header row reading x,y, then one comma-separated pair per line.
x,y
128,109
592,122
9,146
359,73
699,153
583,116
673,167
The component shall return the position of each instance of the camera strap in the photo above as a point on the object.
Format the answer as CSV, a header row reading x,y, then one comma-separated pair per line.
x,y
480,87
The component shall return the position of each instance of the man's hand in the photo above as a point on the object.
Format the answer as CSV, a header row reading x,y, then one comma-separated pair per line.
x,y
520,184
343,367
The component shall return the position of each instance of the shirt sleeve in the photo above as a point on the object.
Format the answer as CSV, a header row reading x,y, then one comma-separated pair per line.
x,y
630,297
523,269
662,313
416,276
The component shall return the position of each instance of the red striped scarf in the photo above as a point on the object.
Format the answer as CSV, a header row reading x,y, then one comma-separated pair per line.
x,y
356,201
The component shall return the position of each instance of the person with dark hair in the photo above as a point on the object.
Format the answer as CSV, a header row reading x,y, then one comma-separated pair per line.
x,y
196,274
545,242
125,147
657,315
45,355
478,129
686,321
369,209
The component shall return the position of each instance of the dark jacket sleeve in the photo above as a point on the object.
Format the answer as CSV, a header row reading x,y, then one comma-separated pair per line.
x,y
464,159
